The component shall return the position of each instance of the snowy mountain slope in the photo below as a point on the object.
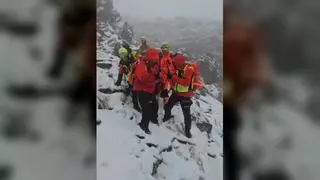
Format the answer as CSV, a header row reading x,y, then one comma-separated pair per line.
x,y
125,152
120,150
279,134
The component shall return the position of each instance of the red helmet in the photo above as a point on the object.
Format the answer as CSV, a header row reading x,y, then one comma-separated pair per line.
x,y
179,61
152,54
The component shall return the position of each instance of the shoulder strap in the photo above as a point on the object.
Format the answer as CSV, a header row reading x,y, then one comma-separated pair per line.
x,y
193,74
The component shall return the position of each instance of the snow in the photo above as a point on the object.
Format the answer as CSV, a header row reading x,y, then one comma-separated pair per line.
x,y
287,137
121,155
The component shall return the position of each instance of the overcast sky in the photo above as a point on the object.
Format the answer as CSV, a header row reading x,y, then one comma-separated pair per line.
x,y
171,8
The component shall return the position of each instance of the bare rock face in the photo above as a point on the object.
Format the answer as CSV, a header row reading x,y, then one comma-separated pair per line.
x,y
106,13
204,127
6,172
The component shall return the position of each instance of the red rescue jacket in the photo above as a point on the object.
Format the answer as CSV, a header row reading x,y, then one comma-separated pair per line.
x,y
184,80
146,74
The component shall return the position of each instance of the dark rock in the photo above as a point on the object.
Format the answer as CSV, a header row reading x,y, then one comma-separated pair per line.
x,y
104,65
212,155
27,91
98,122
140,137
197,103
155,166
151,145
182,141
90,159
17,126
110,75
102,103
194,118
131,117
36,53
6,172
31,91
110,91
110,41
204,127
168,149
203,91
100,106
272,174
127,32
22,28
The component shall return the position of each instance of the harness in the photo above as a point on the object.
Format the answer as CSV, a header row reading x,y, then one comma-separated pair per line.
x,y
180,88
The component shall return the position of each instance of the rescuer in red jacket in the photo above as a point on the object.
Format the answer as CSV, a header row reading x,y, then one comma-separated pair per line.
x,y
166,70
145,83
182,91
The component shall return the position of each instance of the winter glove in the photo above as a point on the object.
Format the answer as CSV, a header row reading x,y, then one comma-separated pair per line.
x,y
119,79
164,93
165,100
169,76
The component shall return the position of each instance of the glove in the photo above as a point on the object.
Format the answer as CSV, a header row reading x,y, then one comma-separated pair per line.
x,y
164,93
169,76
165,100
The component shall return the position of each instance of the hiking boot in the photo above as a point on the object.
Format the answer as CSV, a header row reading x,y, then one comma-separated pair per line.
x,y
146,130
188,134
155,122
166,118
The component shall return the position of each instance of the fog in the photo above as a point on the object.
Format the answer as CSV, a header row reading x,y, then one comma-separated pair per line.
x,y
150,9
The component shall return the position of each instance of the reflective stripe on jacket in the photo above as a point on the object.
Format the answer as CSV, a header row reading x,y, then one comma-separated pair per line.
x,y
182,81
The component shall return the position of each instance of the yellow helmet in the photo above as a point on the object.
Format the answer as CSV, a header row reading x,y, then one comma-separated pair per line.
x,y
122,52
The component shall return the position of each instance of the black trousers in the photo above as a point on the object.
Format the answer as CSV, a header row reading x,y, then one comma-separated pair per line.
x,y
231,158
59,61
83,93
185,103
134,96
148,108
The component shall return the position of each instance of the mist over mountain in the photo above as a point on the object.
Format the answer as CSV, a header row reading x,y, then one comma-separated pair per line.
x,y
201,40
